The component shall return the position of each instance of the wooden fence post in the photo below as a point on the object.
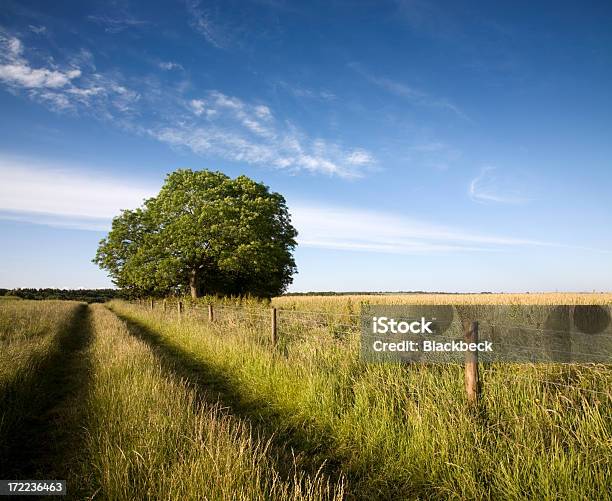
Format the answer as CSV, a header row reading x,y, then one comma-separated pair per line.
x,y
179,306
165,305
152,304
472,383
273,325
211,313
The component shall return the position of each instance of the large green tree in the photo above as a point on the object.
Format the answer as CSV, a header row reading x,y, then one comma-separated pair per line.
x,y
204,232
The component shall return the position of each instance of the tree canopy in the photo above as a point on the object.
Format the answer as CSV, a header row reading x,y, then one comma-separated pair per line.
x,y
204,233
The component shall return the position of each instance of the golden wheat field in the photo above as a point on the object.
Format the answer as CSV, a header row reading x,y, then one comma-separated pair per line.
x,y
340,302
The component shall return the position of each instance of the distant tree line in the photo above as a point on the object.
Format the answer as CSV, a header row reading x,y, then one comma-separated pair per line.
x,y
86,295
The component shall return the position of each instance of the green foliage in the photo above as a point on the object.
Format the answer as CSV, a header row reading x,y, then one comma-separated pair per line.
x,y
206,233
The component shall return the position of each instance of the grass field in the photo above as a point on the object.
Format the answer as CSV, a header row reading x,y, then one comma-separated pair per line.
x,y
37,341
343,302
127,403
121,425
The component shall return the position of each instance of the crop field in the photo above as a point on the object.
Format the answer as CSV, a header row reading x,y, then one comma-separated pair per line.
x,y
125,401
339,303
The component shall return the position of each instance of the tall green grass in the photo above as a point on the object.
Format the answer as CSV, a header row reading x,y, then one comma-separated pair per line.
x,y
30,341
150,435
402,432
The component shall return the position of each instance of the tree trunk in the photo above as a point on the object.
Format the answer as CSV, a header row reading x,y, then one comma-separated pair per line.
x,y
193,284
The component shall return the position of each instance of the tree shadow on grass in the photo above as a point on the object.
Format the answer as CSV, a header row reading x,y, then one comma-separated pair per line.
x,y
308,445
41,442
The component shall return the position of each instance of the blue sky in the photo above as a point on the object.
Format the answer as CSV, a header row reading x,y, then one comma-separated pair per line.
x,y
457,146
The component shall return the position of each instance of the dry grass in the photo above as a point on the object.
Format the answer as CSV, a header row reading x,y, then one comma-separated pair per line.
x,y
149,429
149,436
341,303
29,338
402,432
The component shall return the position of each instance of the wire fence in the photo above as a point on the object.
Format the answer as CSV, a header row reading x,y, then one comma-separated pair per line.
x,y
286,324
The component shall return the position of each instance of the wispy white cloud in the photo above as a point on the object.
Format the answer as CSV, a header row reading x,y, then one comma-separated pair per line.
x,y
299,91
75,198
359,157
394,87
62,221
348,228
22,75
411,94
230,128
203,21
170,65
119,23
488,187
212,124
428,18
15,71
62,89
39,30
198,106
263,112
41,192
